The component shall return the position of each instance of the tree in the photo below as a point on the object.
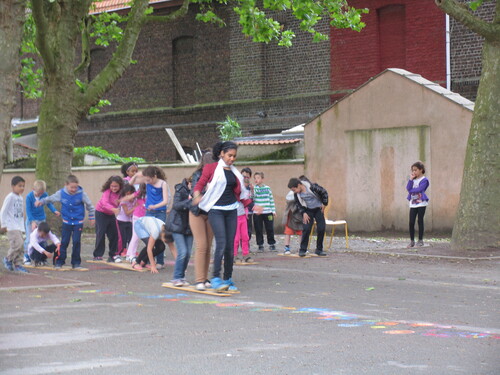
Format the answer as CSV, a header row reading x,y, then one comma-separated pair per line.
x,y
12,16
62,25
477,225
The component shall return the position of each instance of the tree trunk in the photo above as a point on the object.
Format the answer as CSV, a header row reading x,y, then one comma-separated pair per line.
x,y
57,128
477,225
12,14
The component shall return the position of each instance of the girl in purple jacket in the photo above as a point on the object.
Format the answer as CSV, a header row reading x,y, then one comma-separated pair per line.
x,y
417,185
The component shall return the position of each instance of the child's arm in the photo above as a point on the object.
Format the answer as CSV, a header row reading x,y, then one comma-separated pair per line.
x,y
50,206
107,203
422,186
128,208
271,202
6,209
30,206
56,197
89,206
151,244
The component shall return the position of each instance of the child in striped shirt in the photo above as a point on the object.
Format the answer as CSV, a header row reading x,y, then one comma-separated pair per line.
x,y
263,196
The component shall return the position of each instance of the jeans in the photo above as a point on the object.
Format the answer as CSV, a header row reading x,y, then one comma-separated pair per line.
x,y
314,214
414,212
39,257
162,215
105,225
73,232
223,224
266,221
184,244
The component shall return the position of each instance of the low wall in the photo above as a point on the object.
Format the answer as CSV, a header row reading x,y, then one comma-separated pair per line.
x,y
92,179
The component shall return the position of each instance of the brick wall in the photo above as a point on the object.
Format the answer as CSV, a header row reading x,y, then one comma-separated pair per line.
x,y
358,56
466,47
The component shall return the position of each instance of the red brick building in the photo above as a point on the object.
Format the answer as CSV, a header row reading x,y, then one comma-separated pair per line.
x,y
191,75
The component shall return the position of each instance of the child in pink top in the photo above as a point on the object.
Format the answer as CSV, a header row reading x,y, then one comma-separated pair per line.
x,y
139,211
105,225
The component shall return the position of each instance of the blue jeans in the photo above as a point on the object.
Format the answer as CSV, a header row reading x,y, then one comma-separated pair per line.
x,y
184,244
223,224
73,232
162,215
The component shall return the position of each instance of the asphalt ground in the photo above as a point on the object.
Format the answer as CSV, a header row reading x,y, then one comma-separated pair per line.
x,y
376,308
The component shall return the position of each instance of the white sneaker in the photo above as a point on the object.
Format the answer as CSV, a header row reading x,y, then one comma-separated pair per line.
x,y
117,259
159,266
200,287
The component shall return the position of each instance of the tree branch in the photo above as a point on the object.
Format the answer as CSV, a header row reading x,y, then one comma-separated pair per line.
x,y
85,45
182,11
460,12
42,28
120,60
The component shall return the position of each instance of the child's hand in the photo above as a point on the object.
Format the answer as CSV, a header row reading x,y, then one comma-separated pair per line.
x,y
306,218
48,255
116,211
38,204
154,269
258,209
57,213
33,226
92,222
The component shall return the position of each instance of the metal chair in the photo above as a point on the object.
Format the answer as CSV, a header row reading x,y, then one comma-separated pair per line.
x,y
333,223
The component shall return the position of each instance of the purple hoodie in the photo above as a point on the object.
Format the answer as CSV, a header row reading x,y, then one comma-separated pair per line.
x,y
420,189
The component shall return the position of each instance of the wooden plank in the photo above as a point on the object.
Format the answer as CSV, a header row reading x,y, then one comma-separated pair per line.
x,y
192,289
123,266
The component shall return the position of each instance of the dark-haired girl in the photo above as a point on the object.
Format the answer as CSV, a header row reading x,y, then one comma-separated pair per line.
x,y
417,185
223,183
105,219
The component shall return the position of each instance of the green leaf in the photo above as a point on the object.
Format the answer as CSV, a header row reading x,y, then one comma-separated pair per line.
x,y
475,4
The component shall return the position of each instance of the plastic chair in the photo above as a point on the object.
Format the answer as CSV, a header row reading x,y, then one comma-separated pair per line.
x,y
333,223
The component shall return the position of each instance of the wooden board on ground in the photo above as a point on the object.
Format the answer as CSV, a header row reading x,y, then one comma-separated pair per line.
x,y
245,263
191,288
294,255
123,266
50,268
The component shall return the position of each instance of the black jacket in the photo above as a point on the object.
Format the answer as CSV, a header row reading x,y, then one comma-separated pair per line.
x,y
317,190
178,219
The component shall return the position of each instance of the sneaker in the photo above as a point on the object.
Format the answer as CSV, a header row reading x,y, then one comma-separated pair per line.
x,y
178,283
159,266
420,243
77,267
38,264
321,253
186,283
207,284
412,243
302,253
98,258
248,260
8,264
20,268
218,284
287,252
27,260
200,287
117,259
272,248
44,263
133,259
261,249
57,267
238,260
230,283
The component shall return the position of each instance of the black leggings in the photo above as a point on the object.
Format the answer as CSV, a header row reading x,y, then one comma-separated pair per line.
x,y
414,212
158,248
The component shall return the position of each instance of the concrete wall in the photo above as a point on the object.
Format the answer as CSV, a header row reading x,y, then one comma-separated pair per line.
x,y
92,178
361,150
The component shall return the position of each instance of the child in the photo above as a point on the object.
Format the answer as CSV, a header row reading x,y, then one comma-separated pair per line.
x,y
242,232
263,196
129,170
153,233
74,201
139,211
311,200
39,249
417,185
12,219
178,224
35,215
247,182
157,198
124,218
105,225
292,219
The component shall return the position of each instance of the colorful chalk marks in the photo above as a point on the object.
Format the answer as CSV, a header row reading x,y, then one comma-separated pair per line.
x,y
343,319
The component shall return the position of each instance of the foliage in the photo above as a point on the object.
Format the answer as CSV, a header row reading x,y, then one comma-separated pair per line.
x,y
103,154
229,129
